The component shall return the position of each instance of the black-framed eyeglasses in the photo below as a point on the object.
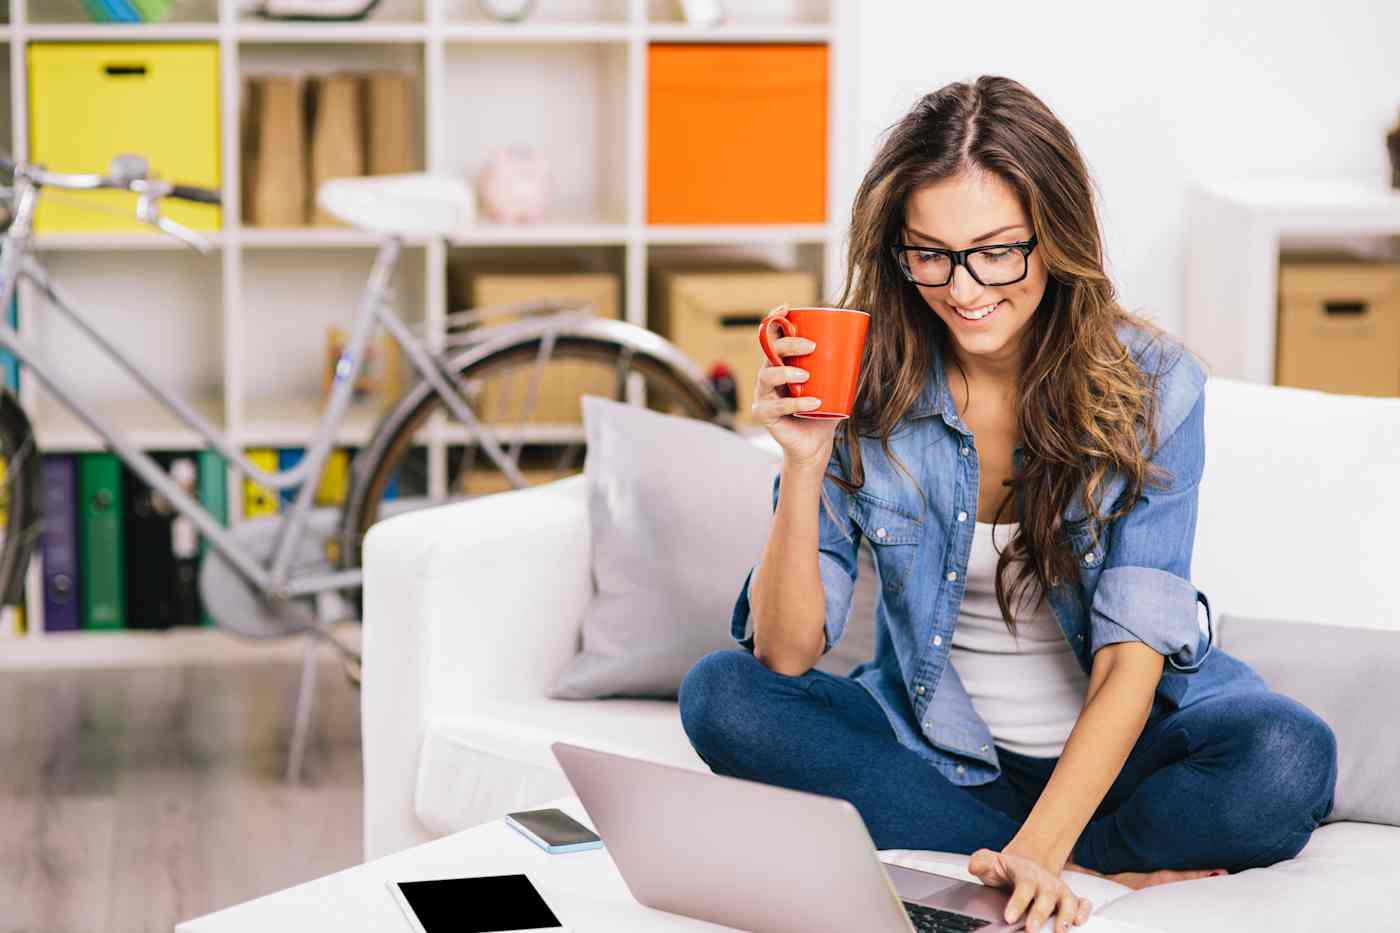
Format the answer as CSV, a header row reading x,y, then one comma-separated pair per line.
x,y
998,264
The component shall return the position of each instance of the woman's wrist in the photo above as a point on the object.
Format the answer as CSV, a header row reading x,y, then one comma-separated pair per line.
x,y
816,464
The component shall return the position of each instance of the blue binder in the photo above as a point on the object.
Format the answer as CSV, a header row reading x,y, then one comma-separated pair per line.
x,y
59,542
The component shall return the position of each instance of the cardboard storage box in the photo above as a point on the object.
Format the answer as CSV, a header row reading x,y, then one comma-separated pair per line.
x,y
736,133
1339,325
502,398
89,102
713,317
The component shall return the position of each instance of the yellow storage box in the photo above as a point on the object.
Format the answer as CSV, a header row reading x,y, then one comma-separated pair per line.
x,y
91,101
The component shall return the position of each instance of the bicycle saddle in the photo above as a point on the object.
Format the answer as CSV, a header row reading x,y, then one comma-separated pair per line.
x,y
411,205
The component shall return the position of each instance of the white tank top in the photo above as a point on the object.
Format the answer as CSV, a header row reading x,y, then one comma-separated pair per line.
x,y
1028,690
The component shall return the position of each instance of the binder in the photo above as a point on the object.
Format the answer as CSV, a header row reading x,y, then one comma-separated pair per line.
x,y
162,548
288,457
334,484
9,363
102,565
184,546
258,499
58,542
11,617
213,495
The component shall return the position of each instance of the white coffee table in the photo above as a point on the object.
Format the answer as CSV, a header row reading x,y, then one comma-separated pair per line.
x,y
585,887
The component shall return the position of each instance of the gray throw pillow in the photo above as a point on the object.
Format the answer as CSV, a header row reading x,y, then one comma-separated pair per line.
x,y
680,511
1348,677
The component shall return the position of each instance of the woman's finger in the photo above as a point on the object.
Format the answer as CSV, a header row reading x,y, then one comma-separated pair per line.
x,y
793,346
1021,895
774,409
770,377
1086,907
1065,909
1045,896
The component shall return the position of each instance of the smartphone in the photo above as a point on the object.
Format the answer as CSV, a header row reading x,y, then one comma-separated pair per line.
x,y
485,904
553,830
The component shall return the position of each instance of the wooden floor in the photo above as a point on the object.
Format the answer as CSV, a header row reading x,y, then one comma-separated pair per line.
x,y
133,799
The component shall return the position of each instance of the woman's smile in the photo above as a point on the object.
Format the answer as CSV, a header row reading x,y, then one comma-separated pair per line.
x,y
978,314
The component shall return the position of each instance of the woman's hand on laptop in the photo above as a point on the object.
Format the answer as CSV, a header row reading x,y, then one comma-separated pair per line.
x,y
1033,885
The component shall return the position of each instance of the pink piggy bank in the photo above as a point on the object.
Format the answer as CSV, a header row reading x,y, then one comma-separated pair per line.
x,y
514,186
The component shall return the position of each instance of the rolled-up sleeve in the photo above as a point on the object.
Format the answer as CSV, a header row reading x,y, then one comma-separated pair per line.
x,y
1144,592
838,541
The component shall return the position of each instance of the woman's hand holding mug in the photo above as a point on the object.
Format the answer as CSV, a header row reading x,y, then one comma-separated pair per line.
x,y
803,441
802,421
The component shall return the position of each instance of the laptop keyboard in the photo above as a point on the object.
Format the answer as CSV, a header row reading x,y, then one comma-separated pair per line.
x,y
933,920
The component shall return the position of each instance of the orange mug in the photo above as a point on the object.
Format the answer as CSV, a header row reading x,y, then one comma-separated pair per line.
x,y
833,367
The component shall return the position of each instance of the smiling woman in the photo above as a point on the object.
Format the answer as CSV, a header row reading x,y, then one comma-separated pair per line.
x,y
1037,449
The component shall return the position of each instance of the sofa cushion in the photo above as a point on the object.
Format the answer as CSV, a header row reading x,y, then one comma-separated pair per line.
x,y
1343,879
1347,676
679,510
1298,505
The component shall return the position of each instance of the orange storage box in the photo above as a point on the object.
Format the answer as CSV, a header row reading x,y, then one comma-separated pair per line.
x,y
736,133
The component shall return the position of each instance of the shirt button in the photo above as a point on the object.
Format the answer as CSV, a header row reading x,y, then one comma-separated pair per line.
x,y
984,748
919,690
962,516
879,532
952,575
961,769
927,724
938,640
963,450
1089,558
1079,638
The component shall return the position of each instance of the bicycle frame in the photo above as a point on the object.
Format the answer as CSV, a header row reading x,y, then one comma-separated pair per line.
x,y
274,580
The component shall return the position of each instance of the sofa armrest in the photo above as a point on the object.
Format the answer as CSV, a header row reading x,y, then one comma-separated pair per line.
x,y
481,597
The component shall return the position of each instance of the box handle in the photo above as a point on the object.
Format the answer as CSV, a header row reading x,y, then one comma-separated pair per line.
x,y
1344,307
125,71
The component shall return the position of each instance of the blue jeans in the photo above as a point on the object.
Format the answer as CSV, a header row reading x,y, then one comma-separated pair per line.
x,y
1235,782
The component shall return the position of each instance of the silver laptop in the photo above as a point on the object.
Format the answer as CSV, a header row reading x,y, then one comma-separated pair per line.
x,y
760,857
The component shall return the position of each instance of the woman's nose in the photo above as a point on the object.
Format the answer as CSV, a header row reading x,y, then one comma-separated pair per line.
x,y
964,288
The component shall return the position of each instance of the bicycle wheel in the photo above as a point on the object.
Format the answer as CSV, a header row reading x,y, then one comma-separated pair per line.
x,y
20,483
522,403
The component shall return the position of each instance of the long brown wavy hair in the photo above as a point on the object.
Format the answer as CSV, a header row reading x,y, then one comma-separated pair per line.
x,y
1084,406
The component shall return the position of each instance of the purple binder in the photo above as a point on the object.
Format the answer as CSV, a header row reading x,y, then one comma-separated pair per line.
x,y
59,542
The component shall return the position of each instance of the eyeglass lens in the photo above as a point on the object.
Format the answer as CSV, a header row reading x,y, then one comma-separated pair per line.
x,y
992,267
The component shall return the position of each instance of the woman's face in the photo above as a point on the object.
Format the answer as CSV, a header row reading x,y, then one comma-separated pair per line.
x,y
967,211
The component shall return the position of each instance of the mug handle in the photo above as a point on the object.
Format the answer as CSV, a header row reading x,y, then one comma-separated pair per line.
x,y
764,340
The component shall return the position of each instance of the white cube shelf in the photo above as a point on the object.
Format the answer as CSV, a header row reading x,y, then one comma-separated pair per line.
x,y
570,82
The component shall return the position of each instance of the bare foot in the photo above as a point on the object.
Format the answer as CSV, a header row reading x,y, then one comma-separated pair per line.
x,y
1138,879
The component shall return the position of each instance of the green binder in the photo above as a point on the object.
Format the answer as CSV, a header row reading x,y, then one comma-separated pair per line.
x,y
213,495
103,569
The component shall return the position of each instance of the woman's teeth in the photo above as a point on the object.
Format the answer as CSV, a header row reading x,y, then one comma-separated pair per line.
x,y
976,314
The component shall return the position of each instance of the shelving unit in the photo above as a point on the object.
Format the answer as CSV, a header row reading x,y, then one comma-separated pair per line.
x,y
243,329
1235,235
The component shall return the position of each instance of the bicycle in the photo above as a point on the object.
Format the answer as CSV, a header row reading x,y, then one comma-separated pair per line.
x,y
264,577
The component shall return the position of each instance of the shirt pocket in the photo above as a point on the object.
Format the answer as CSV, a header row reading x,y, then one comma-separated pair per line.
x,y
1088,552
894,533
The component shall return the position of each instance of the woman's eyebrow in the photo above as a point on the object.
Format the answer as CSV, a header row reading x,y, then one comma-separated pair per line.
x,y
975,239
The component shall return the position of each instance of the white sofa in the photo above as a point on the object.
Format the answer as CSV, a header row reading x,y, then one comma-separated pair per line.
x,y
472,609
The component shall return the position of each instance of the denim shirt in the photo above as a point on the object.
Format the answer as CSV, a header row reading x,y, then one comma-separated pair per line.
x,y
1134,583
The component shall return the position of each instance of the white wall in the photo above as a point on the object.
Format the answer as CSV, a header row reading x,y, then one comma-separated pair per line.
x,y
1157,97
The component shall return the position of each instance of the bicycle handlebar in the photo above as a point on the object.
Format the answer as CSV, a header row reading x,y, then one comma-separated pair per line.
x,y
137,183
127,173
196,194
